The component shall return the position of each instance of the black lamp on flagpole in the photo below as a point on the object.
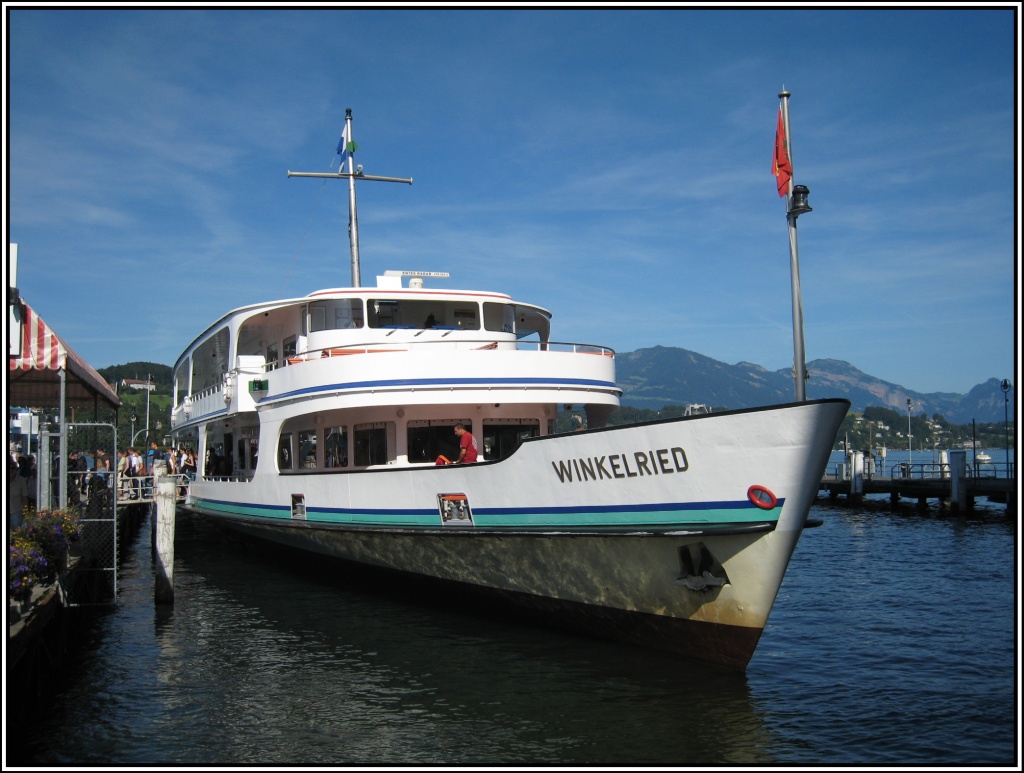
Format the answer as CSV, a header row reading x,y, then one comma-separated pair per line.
x,y
799,204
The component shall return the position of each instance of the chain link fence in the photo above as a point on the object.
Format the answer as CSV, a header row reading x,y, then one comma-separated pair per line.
x,y
92,490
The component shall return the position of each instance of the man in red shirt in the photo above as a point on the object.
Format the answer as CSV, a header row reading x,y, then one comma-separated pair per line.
x,y
467,445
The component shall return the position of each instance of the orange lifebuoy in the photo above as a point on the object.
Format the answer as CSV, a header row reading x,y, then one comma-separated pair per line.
x,y
760,496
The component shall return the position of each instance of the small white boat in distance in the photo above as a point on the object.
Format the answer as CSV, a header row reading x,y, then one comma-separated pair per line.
x,y
982,458
326,422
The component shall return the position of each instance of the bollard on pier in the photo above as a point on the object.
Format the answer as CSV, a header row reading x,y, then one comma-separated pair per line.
x,y
164,489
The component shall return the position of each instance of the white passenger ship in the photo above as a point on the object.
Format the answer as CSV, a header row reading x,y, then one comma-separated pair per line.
x,y
324,422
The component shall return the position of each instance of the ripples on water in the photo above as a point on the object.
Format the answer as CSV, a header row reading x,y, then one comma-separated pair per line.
x,y
892,642
897,633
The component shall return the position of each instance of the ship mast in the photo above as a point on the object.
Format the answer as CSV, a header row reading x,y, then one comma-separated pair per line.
x,y
348,146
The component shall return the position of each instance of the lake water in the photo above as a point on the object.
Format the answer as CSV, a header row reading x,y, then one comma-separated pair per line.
x,y
893,642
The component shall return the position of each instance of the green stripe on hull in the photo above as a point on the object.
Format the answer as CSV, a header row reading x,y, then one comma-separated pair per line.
x,y
628,518
621,519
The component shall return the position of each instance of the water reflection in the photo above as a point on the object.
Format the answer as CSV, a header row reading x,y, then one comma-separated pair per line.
x,y
261,661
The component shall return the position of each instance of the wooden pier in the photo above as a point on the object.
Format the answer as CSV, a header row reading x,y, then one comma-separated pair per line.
x,y
938,487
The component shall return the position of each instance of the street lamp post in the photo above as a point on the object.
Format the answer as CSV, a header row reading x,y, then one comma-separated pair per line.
x,y
149,386
1005,386
910,438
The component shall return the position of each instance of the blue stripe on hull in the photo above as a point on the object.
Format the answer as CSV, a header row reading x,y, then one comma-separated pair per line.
x,y
443,382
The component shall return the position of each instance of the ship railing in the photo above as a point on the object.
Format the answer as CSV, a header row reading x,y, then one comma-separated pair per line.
x,y
926,470
199,403
477,344
841,471
241,477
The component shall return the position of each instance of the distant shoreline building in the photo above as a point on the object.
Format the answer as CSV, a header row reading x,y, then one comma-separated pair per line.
x,y
136,384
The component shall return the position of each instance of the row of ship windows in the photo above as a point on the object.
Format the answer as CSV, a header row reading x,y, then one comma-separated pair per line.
x,y
371,444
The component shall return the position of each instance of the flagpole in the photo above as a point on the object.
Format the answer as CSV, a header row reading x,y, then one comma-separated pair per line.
x,y
799,363
353,224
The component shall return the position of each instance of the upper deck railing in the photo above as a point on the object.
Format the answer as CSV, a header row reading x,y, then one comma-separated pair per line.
x,y
460,344
216,399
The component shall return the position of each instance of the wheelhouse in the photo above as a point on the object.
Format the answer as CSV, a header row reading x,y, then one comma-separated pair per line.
x,y
328,376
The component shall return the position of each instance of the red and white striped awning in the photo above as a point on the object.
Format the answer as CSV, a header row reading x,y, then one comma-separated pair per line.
x,y
34,372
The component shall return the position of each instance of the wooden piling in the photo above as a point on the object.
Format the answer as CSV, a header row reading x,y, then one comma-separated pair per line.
x,y
958,481
163,535
856,475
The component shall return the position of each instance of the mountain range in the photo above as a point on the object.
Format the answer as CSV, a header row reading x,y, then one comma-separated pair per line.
x,y
661,375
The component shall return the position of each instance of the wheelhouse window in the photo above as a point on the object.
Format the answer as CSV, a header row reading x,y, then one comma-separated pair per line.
x,y
335,314
499,317
517,318
408,314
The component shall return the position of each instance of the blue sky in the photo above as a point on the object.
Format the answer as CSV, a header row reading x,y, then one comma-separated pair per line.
x,y
610,165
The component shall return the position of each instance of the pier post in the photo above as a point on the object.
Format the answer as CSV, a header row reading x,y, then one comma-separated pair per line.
x,y
163,532
856,475
958,480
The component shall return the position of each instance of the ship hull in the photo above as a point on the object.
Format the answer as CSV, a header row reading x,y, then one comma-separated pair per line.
x,y
673,535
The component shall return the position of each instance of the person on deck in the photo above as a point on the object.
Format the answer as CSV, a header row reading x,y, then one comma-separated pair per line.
x,y
467,445
154,454
122,473
136,469
102,466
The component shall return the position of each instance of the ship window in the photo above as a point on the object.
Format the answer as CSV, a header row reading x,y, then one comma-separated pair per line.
x,y
317,317
215,459
289,347
371,443
499,317
210,361
336,314
428,440
248,447
307,448
272,353
348,314
284,452
336,447
501,439
423,314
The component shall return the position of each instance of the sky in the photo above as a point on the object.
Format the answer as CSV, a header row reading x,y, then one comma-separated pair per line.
x,y
610,165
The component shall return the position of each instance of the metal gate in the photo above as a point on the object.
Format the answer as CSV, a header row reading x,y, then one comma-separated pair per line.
x,y
91,578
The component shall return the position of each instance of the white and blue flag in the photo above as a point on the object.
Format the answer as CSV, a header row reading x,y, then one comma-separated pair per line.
x,y
344,147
